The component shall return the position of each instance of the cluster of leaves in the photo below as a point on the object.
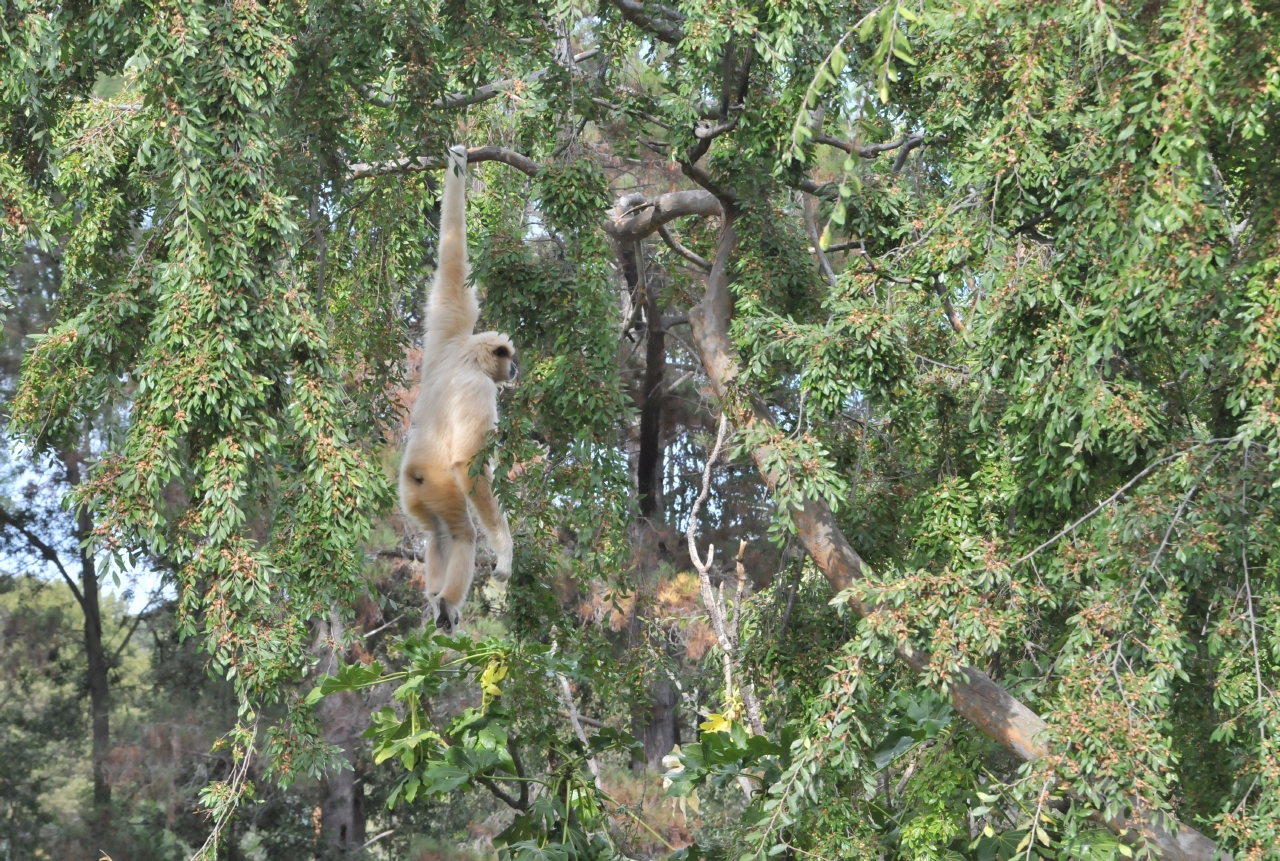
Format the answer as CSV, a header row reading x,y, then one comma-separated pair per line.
x,y
562,812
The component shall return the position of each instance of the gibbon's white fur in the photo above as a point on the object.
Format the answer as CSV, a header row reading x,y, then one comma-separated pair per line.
x,y
457,406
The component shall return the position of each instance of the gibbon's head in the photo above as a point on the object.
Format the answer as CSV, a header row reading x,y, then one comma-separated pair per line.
x,y
496,356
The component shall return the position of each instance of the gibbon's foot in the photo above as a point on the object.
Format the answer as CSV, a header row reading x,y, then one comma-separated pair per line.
x,y
448,617
502,572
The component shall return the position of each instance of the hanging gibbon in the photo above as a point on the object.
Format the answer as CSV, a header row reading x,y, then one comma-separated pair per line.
x,y
457,406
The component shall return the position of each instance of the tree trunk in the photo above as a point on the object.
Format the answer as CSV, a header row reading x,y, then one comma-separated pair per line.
x,y
342,718
657,729
649,463
342,814
99,704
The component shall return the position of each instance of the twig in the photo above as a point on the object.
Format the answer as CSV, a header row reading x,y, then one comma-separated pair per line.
x,y
1113,497
566,698
376,838
238,775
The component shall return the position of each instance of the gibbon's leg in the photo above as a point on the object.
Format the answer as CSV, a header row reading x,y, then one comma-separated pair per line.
x,y
437,558
492,518
460,563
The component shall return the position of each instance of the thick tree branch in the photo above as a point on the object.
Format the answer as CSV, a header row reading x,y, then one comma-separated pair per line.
x,y
513,803
661,21
1032,223
509,157
825,190
635,218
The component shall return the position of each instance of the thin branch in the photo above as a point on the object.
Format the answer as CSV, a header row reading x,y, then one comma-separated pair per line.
x,y
1177,515
1113,497
49,554
115,656
374,839
952,317
622,109
588,721
398,553
520,162
477,96
487,783
571,710
676,246
382,627
906,143
851,245
811,225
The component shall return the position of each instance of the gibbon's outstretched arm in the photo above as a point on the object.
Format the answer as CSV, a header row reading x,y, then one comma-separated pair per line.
x,y
453,309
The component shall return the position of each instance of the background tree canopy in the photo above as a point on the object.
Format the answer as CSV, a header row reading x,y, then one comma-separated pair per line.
x,y
954,327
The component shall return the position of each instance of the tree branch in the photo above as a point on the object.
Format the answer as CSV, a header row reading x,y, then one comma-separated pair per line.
x,y
634,217
905,145
952,317
509,157
811,225
477,96
675,245
825,190
622,109
513,803
520,162
45,550
973,694
650,18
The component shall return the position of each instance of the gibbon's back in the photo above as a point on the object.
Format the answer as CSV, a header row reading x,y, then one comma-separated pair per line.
x,y
452,309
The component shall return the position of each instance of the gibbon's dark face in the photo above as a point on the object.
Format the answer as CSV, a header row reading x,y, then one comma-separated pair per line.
x,y
497,356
